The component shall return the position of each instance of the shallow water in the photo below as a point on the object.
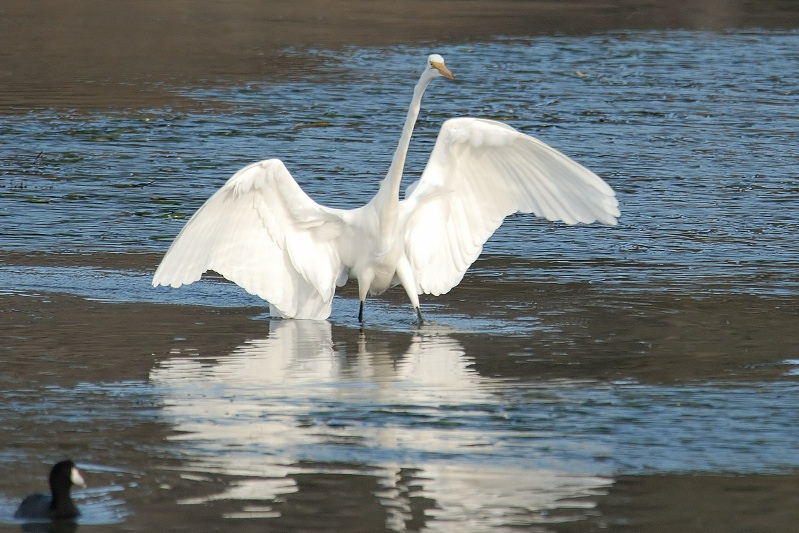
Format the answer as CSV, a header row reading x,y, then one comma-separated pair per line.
x,y
568,362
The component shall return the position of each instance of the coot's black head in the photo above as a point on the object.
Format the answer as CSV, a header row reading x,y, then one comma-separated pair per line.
x,y
62,476
65,474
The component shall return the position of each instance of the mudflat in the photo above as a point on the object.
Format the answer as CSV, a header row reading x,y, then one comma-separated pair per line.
x,y
91,53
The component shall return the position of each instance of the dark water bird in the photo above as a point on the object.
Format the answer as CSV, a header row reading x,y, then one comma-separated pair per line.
x,y
59,504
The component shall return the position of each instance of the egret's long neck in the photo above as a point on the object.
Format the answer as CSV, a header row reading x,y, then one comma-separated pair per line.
x,y
387,197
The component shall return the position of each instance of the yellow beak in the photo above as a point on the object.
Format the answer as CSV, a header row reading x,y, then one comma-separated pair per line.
x,y
443,70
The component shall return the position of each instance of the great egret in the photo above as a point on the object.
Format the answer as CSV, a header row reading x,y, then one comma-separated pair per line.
x,y
261,231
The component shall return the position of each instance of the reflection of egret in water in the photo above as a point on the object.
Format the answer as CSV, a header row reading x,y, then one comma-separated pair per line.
x,y
410,413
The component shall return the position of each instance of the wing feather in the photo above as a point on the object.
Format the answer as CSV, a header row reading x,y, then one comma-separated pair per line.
x,y
261,231
479,172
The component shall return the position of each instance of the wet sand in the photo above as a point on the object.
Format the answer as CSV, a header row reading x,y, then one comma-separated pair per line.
x,y
95,54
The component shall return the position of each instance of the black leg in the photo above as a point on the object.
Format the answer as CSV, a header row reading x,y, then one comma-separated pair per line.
x,y
360,312
419,319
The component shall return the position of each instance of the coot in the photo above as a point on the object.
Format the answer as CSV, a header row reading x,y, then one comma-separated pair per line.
x,y
59,504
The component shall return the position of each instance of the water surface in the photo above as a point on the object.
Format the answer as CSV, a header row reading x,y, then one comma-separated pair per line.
x,y
573,369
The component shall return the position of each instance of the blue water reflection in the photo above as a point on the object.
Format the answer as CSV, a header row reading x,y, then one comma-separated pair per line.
x,y
295,398
502,450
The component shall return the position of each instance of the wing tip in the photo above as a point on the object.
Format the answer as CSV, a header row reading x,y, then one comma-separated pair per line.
x,y
174,284
161,279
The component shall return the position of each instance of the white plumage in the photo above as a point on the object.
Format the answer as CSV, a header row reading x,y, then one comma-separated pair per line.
x,y
261,231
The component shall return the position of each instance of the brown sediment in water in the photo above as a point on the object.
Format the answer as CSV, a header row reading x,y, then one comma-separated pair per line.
x,y
661,338
66,339
96,54
710,503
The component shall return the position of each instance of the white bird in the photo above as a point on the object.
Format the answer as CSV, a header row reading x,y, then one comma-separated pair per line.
x,y
261,231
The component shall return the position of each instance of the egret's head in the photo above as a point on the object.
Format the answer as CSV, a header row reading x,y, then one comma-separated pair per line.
x,y
436,66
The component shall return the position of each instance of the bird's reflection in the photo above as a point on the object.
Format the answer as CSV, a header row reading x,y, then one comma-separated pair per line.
x,y
407,411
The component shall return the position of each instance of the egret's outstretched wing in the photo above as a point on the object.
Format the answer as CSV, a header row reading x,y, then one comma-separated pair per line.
x,y
261,231
479,172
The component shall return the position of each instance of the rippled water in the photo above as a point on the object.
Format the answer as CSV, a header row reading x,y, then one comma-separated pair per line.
x,y
569,357
690,135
